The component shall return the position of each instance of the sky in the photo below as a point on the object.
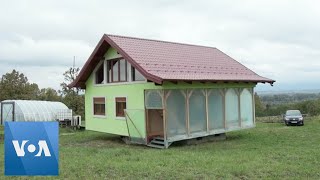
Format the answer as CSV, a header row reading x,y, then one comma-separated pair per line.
x,y
277,39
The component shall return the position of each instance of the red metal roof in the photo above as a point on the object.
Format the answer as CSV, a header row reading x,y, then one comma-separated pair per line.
x,y
162,61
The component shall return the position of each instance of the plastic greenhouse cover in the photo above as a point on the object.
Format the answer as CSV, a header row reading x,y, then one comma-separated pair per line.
x,y
29,110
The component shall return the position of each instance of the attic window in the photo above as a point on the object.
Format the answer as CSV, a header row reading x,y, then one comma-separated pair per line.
x,y
136,75
117,71
99,75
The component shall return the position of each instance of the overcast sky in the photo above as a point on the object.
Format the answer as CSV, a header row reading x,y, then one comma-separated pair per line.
x,y
276,39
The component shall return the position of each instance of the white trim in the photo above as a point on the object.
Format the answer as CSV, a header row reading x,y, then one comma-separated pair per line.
x,y
105,71
105,75
120,118
121,83
99,116
105,107
115,107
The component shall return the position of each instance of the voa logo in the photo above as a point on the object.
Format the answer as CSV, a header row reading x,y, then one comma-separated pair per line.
x,y
31,148
42,148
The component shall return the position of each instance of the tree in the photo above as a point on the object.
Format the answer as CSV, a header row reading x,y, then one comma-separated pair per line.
x,y
15,85
71,96
69,76
258,105
49,94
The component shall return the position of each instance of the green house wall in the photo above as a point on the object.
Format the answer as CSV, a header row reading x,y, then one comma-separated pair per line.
x,y
135,100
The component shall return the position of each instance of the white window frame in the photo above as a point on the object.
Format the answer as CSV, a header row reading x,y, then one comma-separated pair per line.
x,y
115,107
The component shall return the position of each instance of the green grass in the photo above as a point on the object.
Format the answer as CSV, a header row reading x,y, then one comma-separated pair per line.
x,y
269,151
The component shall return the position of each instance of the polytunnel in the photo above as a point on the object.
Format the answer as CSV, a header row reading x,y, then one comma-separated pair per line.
x,y
30,110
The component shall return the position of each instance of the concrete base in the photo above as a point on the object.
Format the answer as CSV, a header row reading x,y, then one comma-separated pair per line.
x,y
211,138
125,139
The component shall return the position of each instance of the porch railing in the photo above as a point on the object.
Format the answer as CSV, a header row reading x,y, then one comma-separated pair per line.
x,y
135,120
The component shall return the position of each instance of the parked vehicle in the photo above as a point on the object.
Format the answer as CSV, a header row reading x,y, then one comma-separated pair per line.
x,y
293,117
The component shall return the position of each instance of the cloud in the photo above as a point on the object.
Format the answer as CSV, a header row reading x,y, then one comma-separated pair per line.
x,y
26,51
277,39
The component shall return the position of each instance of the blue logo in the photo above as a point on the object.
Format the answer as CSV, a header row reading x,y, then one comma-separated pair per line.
x,y
31,148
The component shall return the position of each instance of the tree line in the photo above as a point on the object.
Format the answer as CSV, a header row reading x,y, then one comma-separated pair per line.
x,y
271,106
274,99
15,85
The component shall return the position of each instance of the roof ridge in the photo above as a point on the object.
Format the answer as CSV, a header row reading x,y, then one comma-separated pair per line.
x,y
162,41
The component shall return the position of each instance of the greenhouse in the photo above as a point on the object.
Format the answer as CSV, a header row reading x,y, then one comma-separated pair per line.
x,y
29,110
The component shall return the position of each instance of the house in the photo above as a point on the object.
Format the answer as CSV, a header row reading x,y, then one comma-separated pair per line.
x,y
158,92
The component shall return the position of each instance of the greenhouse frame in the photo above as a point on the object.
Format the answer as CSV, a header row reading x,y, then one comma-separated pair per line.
x,y
155,92
30,110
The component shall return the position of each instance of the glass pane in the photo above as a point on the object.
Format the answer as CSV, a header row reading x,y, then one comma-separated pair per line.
x,y
153,99
122,70
232,108
246,108
128,71
100,74
109,68
176,113
120,107
115,70
215,108
136,75
197,111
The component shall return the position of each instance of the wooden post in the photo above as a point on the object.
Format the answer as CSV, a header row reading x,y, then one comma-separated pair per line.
x,y
239,91
164,106
207,109
187,111
126,115
147,124
253,107
224,108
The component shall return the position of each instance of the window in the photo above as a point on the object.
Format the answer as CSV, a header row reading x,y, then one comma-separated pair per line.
x,y
117,70
215,109
99,106
99,75
121,105
232,108
136,75
246,107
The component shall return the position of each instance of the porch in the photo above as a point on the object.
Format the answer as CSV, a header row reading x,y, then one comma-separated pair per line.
x,y
179,114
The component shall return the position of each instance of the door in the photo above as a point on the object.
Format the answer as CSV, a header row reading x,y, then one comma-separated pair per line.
x,y
154,123
7,111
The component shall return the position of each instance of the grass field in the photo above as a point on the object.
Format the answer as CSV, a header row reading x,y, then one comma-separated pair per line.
x,y
269,151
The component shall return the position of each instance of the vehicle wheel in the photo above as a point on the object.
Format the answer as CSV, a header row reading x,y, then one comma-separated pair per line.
x,y
287,124
301,124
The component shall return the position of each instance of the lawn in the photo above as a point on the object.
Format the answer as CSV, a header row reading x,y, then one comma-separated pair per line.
x,y
271,150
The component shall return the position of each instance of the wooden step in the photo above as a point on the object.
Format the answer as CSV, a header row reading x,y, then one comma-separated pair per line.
x,y
158,138
156,146
155,141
